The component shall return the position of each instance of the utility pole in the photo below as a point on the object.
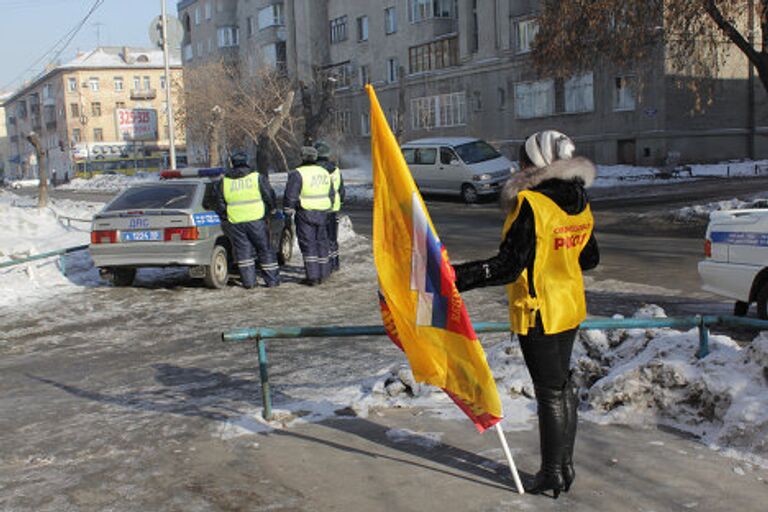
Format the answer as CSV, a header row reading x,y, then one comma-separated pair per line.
x,y
751,121
168,96
42,166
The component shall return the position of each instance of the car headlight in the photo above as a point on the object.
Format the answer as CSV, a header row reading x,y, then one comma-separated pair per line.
x,y
482,177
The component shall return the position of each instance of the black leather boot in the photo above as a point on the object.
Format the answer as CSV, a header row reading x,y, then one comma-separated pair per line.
x,y
571,405
551,437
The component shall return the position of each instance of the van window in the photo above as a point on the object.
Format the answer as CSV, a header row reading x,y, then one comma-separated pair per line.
x,y
409,155
477,151
447,155
426,156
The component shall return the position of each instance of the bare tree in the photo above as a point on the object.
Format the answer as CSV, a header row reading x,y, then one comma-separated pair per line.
x,y
317,101
225,109
696,34
42,165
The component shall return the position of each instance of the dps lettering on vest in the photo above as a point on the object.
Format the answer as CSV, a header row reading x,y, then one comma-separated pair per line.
x,y
557,280
243,198
315,188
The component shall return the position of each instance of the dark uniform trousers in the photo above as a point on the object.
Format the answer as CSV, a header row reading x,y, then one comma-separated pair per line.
x,y
246,236
312,232
333,241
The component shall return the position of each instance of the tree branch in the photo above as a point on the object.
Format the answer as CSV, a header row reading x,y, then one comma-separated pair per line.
x,y
732,32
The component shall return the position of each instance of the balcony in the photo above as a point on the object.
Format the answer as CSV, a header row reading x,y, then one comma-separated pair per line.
x,y
143,94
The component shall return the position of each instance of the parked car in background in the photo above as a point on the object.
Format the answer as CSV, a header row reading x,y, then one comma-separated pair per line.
x,y
736,264
465,166
169,224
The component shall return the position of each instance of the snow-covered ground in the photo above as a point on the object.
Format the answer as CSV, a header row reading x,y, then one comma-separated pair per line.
x,y
638,376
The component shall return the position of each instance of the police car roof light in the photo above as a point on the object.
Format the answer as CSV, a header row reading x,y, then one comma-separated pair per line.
x,y
192,172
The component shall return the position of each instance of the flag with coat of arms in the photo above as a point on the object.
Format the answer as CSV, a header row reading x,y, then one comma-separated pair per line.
x,y
422,311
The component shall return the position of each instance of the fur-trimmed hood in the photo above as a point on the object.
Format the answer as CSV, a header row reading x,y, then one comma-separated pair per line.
x,y
566,170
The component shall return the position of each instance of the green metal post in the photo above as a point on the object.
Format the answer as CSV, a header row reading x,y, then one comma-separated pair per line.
x,y
266,395
703,339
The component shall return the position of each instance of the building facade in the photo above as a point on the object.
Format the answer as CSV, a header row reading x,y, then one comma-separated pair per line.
x,y
105,104
5,145
462,67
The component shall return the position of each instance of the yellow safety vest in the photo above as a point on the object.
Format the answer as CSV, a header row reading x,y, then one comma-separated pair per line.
x,y
557,279
315,188
336,180
243,197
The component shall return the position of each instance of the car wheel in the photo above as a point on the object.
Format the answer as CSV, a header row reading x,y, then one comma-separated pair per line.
x,y
762,302
285,246
740,308
217,273
468,193
123,276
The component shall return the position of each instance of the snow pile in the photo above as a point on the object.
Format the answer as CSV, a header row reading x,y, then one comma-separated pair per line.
x,y
29,231
702,212
652,376
109,182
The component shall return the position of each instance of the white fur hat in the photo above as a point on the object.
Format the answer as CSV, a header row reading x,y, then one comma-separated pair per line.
x,y
545,147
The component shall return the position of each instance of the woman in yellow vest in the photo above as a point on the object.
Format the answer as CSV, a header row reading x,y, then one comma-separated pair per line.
x,y
547,243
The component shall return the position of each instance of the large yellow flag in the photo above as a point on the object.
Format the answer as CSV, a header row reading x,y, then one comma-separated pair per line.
x,y
421,308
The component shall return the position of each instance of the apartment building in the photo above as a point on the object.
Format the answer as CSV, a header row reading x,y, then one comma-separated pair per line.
x,y
105,103
463,68
5,146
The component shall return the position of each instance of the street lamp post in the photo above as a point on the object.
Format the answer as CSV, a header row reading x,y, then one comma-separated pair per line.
x,y
168,96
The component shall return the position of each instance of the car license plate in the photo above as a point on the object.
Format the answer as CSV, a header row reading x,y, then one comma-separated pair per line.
x,y
141,236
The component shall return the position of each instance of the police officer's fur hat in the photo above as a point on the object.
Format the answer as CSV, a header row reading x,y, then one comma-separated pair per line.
x,y
323,149
308,154
238,159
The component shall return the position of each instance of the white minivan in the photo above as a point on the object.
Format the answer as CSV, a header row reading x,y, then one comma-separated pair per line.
x,y
457,165
736,264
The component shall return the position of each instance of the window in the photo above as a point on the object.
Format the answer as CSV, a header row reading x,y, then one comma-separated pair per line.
x,y
624,93
390,20
208,10
365,75
392,72
98,135
74,110
76,137
137,83
188,52
271,16
93,83
147,83
526,33
71,84
47,91
439,111
118,83
96,109
362,28
197,15
365,124
342,121
477,101
501,94
250,26
535,99
419,10
339,29
447,156
435,55
162,82
119,105
228,37
342,73
199,48
393,115
579,94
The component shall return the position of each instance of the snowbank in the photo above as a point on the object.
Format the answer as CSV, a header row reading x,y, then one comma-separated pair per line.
x,y
109,182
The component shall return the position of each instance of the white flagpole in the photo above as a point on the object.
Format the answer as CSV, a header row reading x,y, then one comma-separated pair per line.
x,y
512,466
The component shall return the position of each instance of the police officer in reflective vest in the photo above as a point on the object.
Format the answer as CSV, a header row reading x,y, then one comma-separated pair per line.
x,y
323,159
244,198
548,242
309,195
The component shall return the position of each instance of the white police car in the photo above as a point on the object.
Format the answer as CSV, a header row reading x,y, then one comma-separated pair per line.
x,y
736,264
170,223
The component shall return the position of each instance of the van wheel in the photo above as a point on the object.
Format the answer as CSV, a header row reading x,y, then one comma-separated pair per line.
x,y
123,276
762,302
217,273
285,246
740,308
468,193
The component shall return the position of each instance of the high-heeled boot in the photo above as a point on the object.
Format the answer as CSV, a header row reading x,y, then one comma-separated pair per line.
x,y
551,437
571,405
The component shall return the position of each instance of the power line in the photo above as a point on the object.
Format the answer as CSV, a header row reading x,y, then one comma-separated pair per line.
x,y
64,42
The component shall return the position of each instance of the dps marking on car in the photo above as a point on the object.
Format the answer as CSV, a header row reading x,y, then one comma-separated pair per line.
x,y
736,264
